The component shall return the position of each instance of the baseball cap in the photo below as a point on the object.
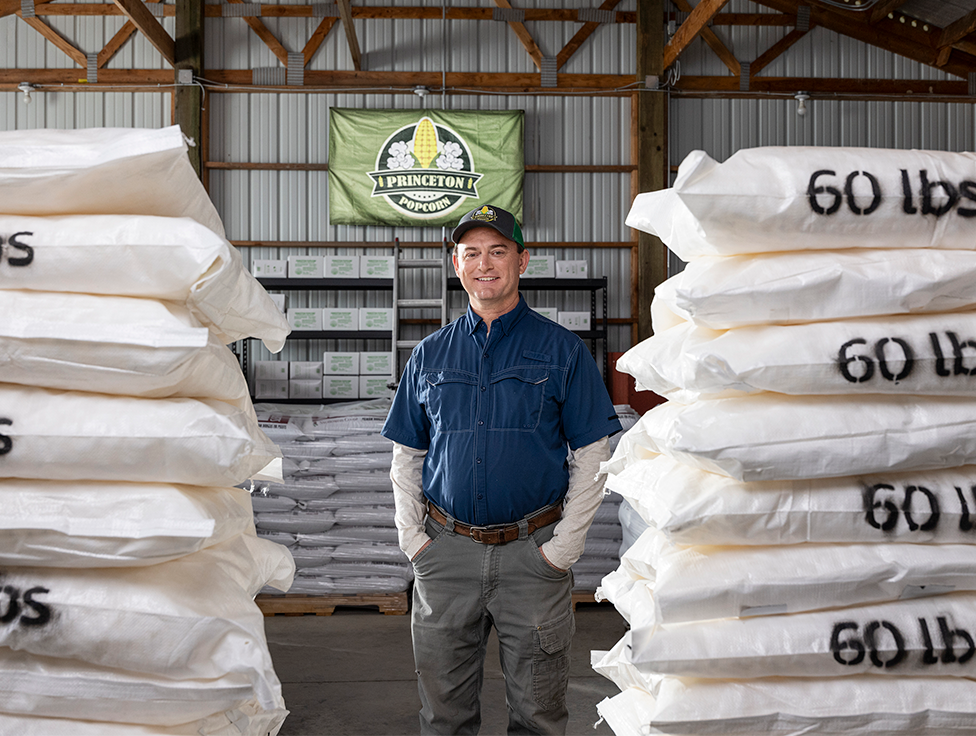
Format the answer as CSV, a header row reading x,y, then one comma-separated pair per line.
x,y
493,217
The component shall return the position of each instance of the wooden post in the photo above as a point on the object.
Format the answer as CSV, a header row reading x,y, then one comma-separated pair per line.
x,y
652,152
189,56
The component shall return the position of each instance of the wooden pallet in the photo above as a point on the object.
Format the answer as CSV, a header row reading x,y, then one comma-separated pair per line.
x,y
391,604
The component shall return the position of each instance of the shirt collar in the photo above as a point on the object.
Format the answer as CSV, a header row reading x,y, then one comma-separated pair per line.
x,y
507,320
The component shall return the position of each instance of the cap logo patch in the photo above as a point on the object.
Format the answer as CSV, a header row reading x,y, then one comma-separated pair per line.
x,y
485,214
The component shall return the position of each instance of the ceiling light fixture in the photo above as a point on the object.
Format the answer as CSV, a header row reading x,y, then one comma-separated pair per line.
x,y
801,103
26,88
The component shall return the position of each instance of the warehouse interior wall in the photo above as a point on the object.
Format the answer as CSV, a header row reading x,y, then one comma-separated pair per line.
x,y
266,146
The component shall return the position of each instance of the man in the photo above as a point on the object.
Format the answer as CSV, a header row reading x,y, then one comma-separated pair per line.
x,y
489,506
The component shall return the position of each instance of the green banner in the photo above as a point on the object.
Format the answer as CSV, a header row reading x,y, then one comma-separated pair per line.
x,y
422,167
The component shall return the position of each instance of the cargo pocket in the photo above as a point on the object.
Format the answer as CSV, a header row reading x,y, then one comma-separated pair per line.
x,y
517,398
550,661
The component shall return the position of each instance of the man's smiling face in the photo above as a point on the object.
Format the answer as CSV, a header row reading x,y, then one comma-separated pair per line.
x,y
489,266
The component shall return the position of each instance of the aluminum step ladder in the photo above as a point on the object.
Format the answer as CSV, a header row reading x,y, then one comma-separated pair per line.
x,y
402,266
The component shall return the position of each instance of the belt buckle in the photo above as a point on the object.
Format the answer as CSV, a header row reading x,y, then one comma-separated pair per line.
x,y
487,534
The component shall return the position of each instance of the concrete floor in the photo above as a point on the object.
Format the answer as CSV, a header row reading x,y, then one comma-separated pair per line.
x,y
351,674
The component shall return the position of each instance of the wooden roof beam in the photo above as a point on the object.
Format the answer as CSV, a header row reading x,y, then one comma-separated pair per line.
x,y
958,30
691,28
879,11
345,11
116,42
77,55
524,36
775,51
581,35
882,34
267,36
318,36
150,27
713,41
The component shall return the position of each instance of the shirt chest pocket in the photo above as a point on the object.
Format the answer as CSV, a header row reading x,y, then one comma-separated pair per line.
x,y
450,399
518,396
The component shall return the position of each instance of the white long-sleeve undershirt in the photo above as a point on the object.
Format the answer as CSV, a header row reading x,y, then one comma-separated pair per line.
x,y
583,497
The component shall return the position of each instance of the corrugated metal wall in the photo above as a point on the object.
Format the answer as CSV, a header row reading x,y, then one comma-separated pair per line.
x,y
289,128
274,127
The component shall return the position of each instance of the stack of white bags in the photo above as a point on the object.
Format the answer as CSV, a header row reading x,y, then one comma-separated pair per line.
x,y
128,561
334,510
810,485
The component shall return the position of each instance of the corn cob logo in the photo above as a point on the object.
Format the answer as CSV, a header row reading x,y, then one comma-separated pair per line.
x,y
425,170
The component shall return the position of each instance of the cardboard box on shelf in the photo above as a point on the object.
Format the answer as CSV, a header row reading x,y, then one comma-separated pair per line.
x,y
572,270
376,267
265,389
341,267
279,301
305,369
303,319
305,267
375,318
376,364
375,387
269,268
344,318
540,267
271,370
340,364
340,387
548,312
576,321
305,389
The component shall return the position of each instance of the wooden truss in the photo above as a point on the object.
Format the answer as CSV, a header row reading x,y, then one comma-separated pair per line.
x,y
951,49
141,18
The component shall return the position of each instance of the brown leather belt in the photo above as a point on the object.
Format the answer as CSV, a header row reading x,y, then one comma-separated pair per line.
x,y
498,533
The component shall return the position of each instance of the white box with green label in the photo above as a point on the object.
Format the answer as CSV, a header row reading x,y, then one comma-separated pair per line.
x,y
540,267
375,318
340,364
279,301
548,312
271,370
303,319
270,389
305,389
375,387
376,267
576,321
268,268
376,364
305,369
344,318
340,387
305,267
341,267
572,270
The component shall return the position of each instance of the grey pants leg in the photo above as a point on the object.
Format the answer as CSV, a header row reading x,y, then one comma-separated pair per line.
x,y
461,590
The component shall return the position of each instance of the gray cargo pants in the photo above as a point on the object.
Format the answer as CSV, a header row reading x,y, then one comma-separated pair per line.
x,y
462,589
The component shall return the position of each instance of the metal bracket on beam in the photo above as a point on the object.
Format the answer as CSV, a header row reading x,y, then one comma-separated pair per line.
x,y
803,18
295,75
509,15
269,76
744,76
240,10
325,10
27,9
92,68
549,76
595,15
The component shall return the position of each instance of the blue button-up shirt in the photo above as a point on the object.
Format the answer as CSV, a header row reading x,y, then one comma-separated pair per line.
x,y
496,412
